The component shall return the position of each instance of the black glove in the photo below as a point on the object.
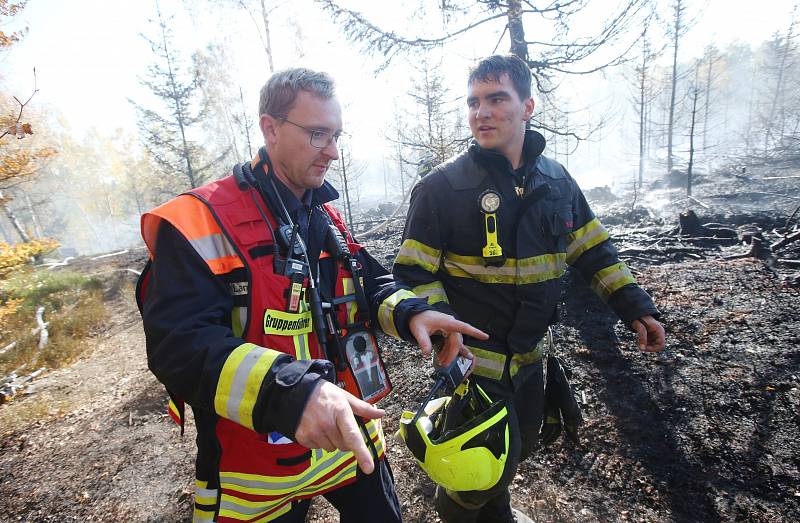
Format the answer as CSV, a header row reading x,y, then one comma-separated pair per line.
x,y
559,404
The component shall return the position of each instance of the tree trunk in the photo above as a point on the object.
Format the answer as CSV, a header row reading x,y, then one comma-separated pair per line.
x,y
674,83
267,41
516,31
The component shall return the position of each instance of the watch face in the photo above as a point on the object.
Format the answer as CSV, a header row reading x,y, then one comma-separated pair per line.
x,y
490,201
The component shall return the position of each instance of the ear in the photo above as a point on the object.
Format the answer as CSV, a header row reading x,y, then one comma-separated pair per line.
x,y
529,105
269,128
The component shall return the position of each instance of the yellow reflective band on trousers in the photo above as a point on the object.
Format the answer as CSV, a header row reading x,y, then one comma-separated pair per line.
x,y
433,292
490,364
283,489
204,497
386,311
487,363
584,238
607,281
240,381
351,307
513,271
521,360
417,253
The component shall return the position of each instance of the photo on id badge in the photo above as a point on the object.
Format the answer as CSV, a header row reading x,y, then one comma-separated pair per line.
x,y
362,353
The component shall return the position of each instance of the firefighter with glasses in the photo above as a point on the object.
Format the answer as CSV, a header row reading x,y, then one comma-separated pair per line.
x,y
259,309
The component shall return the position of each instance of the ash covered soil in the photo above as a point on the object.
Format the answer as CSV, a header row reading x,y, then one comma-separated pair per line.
x,y
708,431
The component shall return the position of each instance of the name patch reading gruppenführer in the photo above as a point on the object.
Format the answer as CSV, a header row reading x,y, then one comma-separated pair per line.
x,y
285,323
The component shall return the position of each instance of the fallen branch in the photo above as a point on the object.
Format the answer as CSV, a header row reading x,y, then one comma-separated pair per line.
x,y
110,254
786,241
698,202
8,347
791,263
12,384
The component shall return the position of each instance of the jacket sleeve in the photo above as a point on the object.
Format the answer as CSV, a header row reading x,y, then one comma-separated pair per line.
x,y
423,247
392,303
192,350
590,251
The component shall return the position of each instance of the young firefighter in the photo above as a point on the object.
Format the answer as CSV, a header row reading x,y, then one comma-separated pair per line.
x,y
256,302
487,239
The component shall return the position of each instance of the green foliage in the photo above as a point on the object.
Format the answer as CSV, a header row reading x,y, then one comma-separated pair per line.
x,y
74,310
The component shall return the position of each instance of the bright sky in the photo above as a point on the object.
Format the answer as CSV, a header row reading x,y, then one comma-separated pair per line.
x,y
88,54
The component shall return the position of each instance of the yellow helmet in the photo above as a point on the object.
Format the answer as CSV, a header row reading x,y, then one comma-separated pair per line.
x,y
460,441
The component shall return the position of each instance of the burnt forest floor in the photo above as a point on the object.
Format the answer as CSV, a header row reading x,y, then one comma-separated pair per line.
x,y
707,431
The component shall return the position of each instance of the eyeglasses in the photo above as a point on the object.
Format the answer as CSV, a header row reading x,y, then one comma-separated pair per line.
x,y
318,139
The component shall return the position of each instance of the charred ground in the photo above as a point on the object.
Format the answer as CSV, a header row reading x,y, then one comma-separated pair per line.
x,y
707,431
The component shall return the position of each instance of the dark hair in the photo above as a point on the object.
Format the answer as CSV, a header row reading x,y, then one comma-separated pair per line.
x,y
279,93
493,67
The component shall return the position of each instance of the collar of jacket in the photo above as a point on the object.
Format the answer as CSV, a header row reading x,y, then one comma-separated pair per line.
x,y
311,198
467,171
532,147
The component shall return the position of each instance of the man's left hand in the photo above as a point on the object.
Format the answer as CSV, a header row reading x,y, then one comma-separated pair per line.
x,y
431,323
650,334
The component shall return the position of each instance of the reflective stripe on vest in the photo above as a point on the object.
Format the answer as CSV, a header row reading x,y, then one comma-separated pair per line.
x,y
264,498
351,308
202,232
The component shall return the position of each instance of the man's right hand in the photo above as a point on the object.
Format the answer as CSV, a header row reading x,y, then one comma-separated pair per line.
x,y
328,423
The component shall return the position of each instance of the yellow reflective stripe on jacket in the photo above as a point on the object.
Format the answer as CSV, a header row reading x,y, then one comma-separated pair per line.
x,y
240,381
433,292
487,363
417,253
584,238
513,271
386,311
608,280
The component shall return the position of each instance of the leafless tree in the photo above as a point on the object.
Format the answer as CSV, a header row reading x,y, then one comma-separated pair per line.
x,y
679,28
345,174
567,52
166,132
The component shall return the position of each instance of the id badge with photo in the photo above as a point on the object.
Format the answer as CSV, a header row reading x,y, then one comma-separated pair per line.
x,y
366,366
